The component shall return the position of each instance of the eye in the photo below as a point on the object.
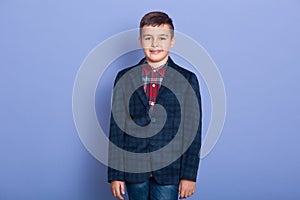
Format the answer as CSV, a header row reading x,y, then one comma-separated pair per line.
x,y
162,38
147,38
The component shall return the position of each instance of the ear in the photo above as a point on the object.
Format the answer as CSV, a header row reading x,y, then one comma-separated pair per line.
x,y
140,42
173,41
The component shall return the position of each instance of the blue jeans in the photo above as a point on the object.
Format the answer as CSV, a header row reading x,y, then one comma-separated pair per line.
x,y
150,190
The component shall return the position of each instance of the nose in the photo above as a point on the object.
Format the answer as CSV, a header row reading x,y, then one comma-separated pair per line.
x,y
154,43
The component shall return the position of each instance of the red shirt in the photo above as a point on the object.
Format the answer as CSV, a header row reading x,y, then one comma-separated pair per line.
x,y
152,78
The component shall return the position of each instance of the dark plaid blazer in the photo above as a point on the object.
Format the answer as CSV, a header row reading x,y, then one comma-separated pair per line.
x,y
182,120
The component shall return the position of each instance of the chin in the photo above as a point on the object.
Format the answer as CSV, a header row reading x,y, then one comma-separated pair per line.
x,y
157,58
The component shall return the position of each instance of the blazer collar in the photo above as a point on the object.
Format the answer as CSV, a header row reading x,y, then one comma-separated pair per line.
x,y
136,78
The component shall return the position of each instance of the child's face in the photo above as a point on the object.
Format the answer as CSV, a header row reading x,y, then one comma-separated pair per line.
x,y
156,42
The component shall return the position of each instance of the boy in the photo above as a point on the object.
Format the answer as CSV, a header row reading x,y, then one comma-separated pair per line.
x,y
140,127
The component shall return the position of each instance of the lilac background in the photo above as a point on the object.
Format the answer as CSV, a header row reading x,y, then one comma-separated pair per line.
x,y
255,45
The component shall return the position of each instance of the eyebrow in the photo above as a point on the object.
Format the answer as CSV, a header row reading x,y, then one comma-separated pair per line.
x,y
158,35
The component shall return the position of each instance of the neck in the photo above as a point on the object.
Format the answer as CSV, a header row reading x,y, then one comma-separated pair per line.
x,y
157,64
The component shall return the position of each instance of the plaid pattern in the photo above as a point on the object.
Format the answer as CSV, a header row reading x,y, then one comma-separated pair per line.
x,y
152,79
186,166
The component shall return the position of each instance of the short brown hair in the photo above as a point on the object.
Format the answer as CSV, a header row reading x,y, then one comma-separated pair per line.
x,y
156,18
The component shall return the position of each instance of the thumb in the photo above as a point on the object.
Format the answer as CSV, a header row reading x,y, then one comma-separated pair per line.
x,y
179,188
123,188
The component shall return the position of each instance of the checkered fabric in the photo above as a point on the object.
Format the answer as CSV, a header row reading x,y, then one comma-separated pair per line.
x,y
180,120
152,79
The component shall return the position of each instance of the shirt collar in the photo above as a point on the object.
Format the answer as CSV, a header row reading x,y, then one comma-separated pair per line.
x,y
161,69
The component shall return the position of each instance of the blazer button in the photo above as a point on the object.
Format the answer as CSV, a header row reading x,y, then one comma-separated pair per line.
x,y
153,119
152,143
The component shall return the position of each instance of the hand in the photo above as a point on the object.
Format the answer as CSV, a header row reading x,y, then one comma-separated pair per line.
x,y
118,189
186,188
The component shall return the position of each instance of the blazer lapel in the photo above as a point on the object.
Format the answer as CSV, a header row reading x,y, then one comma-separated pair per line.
x,y
167,80
135,76
137,82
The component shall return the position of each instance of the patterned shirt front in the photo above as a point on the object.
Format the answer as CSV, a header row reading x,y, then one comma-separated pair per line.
x,y
152,79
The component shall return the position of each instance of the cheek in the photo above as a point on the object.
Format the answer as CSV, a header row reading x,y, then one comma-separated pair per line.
x,y
166,45
146,44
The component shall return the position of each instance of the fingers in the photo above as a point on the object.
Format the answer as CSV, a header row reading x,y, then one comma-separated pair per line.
x,y
117,189
117,194
186,189
185,194
179,189
123,188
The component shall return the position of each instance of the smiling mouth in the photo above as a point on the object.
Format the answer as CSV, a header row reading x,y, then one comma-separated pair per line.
x,y
155,51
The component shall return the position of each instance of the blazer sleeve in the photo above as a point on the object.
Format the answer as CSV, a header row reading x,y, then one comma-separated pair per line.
x,y
192,117
116,137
